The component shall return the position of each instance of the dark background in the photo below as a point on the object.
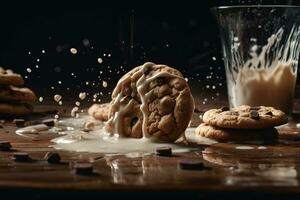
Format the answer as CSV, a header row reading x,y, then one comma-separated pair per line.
x,y
181,34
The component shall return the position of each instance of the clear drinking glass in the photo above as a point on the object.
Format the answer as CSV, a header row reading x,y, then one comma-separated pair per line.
x,y
261,52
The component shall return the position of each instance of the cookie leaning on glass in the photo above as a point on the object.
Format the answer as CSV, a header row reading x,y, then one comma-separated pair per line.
x,y
242,124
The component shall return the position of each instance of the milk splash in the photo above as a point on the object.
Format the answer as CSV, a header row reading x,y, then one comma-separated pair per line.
x,y
268,77
99,141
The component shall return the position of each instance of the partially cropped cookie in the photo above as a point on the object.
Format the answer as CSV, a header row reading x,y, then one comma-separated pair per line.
x,y
12,93
245,117
8,77
152,101
206,134
15,109
100,111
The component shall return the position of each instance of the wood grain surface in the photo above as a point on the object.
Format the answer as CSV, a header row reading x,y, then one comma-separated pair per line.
x,y
228,168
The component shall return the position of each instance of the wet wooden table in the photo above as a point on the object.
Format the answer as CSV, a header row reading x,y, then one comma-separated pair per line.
x,y
230,171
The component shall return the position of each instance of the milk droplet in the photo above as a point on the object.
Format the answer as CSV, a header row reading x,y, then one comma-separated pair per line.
x,y
60,103
262,147
82,95
104,84
244,147
214,58
74,111
41,99
56,116
73,50
77,103
57,97
38,60
100,60
59,82
28,70
43,51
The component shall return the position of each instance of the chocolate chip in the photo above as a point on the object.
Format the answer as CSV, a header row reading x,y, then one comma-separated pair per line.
x,y
86,130
255,108
269,113
160,81
133,121
49,122
191,165
1,126
83,168
52,157
254,115
19,122
21,157
5,146
146,70
225,108
164,151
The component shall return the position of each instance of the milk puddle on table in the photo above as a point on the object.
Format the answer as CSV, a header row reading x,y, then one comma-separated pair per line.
x,y
99,141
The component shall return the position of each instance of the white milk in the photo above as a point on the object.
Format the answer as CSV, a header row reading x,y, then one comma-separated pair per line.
x,y
268,78
99,141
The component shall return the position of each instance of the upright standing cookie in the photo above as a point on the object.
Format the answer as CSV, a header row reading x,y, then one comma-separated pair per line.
x,y
8,77
159,99
245,117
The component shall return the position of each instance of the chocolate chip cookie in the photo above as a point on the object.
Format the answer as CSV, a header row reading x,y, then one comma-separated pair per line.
x,y
12,93
245,117
205,133
159,100
15,109
100,111
8,77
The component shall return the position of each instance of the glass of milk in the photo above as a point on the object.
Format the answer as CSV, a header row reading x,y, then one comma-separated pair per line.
x,y
261,47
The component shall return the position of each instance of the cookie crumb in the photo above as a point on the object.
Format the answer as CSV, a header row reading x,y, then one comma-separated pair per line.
x,y
57,97
82,95
73,51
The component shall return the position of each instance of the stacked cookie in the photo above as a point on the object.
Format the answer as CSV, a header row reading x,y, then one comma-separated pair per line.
x,y
243,124
149,101
14,100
